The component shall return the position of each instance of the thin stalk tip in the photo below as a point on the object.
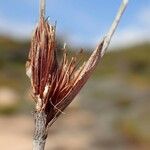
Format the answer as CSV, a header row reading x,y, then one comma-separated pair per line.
x,y
42,8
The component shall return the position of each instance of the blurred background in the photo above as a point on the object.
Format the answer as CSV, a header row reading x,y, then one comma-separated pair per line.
x,y
112,112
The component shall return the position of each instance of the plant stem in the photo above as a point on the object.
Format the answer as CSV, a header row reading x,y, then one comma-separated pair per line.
x,y
114,25
40,133
42,8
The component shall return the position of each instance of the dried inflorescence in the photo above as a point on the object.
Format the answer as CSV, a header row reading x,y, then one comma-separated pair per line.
x,y
55,84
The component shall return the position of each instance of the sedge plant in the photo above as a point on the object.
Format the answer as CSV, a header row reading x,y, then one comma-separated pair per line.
x,y
55,84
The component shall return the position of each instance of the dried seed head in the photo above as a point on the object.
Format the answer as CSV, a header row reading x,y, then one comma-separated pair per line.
x,y
56,84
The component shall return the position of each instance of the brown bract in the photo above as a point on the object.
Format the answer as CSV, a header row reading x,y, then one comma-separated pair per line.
x,y
55,84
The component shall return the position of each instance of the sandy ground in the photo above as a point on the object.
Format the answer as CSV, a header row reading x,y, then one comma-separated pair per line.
x,y
16,133
73,133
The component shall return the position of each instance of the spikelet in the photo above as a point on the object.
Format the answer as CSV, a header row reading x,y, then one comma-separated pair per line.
x,y
54,84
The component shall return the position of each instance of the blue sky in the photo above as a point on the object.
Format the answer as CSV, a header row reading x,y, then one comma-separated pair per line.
x,y
81,22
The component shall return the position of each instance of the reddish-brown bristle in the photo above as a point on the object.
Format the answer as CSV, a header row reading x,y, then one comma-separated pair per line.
x,y
54,84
